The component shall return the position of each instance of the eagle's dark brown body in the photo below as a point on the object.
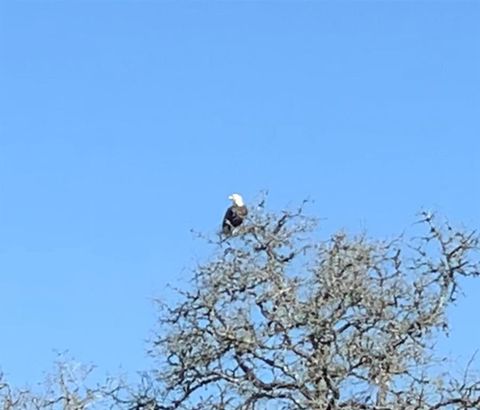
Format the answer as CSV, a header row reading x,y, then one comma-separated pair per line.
x,y
233,218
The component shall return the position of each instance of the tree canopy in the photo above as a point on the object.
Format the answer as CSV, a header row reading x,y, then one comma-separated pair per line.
x,y
279,318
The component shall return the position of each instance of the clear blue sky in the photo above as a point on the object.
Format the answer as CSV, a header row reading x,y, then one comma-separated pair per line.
x,y
124,124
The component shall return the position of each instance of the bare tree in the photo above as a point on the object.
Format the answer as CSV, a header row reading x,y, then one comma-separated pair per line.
x,y
66,388
280,320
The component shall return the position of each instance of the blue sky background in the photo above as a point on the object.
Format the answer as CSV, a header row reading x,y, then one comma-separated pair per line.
x,y
125,124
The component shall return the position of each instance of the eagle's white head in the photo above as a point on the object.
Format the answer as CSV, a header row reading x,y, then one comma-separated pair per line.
x,y
236,199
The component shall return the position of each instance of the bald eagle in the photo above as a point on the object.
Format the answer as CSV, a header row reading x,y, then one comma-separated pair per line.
x,y
234,215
